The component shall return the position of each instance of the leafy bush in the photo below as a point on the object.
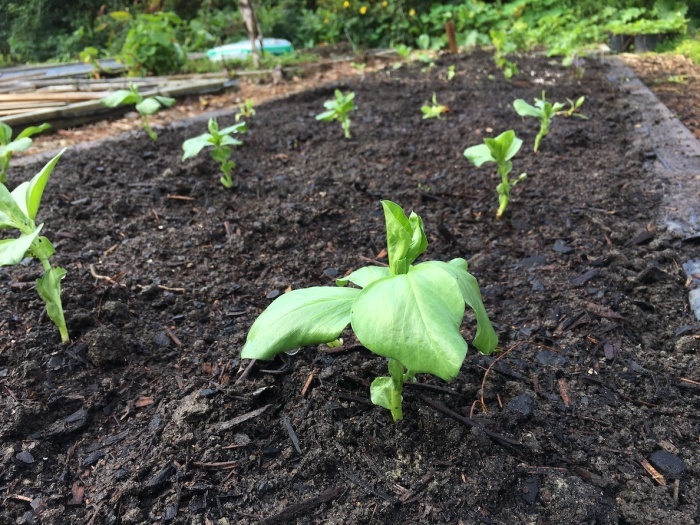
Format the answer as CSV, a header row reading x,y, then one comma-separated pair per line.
x,y
151,46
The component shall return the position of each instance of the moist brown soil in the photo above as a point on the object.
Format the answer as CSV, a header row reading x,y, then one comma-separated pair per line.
x,y
589,415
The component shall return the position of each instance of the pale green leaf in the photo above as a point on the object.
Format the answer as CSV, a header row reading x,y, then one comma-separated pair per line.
x,y
380,393
399,236
20,144
11,214
486,339
33,130
326,116
167,102
28,194
121,97
241,127
415,319
149,106
365,276
12,251
230,141
479,155
524,109
5,133
49,288
193,146
300,318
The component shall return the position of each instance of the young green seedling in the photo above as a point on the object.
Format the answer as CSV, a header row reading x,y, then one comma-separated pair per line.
x,y
409,313
339,109
220,141
18,210
8,146
450,72
546,111
145,106
246,109
499,150
434,110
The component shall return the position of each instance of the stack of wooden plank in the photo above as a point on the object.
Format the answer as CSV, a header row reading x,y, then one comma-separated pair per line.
x,y
61,95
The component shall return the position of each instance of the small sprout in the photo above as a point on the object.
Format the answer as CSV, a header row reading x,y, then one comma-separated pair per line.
x,y
404,52
499,150
18,211
220,141
410,314
145,106
450,73
359,67
546,111
246,109
339,109
434,110
8,146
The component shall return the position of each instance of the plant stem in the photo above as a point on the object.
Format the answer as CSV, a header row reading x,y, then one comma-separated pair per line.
x,y
147,127
346,127
396,370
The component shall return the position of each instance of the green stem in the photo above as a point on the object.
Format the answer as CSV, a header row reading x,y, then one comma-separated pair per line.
x,y
346,127
397,375
147,127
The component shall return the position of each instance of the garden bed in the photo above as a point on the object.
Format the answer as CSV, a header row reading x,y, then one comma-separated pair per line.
x,y
151,416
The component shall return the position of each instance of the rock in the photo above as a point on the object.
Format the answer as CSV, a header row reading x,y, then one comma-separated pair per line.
x,y
668,464
25,457
521,405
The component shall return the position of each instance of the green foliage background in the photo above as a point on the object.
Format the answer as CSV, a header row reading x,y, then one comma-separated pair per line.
x,y
40,30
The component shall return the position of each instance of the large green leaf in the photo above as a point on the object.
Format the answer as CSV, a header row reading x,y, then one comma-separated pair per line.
x,y
226,140
121,97
504,147
49,288
415,319
300,318
486,338
365,276
12,251
524,109
326,116
479,155
28,194
166,102
399,234
193,146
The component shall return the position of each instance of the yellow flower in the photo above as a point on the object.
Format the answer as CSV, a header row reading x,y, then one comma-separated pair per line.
x,y
363,10
385,3
412,12
346,4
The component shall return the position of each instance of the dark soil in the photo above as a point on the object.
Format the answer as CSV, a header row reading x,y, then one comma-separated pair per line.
x,y
590,416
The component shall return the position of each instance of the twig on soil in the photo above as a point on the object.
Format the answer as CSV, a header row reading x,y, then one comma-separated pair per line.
x,y
172,336
512,445
653,472
303,507
308,382
216,465
564,392
99,277
225,425
292,435
246,372
180,197
95,514
373,261
690,381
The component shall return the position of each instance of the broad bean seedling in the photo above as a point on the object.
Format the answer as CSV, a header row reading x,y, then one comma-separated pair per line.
x,y
546,111
499,150
410,314
246,109
339,109
434,110
8,146
145,106
18,211
221,142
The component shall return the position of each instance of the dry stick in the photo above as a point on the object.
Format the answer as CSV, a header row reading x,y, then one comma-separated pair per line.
x,y
379,493
246,372
308,382
512,445
292,435
304,507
